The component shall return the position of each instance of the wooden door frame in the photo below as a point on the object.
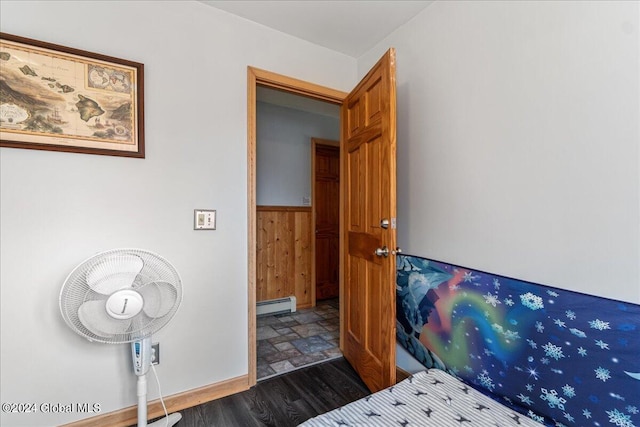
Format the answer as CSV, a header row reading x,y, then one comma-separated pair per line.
x,y
314,144
255,77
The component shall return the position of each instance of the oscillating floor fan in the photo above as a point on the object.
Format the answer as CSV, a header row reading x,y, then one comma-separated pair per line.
x,y
124,296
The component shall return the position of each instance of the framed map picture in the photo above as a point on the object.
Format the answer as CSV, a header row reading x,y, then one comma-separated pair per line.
x,y
62,99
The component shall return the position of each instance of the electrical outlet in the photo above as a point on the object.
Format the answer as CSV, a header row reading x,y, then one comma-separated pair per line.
x,y
155,353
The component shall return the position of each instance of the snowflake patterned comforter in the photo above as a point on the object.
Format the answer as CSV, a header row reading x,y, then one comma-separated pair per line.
x,y
429,398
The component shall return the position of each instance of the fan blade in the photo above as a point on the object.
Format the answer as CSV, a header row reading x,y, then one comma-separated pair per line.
x,y
159,298
114,272
94,317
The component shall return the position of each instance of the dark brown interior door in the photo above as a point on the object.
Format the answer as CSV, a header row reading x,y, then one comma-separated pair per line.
x,y
327,213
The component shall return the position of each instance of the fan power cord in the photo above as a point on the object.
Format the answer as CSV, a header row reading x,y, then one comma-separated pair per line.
x,y
166,414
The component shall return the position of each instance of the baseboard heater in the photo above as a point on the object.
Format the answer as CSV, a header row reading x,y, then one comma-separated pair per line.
x,y
276,306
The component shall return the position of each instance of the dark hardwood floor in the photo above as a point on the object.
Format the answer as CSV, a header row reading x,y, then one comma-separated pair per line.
x,y
285,400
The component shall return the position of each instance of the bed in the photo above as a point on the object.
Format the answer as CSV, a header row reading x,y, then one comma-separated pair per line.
x,y
504,352
428,398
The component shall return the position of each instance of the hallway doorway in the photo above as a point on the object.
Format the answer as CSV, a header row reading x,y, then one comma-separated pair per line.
x,y
296,209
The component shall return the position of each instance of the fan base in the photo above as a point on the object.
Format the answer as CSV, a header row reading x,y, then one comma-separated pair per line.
x,y
167,421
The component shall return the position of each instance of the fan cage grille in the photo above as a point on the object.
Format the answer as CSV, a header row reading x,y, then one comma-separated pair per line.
x,y
157,280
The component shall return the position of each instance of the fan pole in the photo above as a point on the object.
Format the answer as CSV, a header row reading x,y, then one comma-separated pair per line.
x,y
141,352
142,400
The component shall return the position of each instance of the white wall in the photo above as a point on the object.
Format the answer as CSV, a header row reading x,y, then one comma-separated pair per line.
x,y
518,154
518,140
56,209
283,139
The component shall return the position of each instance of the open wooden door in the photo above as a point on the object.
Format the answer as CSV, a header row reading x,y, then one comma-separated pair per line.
x,y
369,189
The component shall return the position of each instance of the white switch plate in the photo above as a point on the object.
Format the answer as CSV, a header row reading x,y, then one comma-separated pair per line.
x,y
204,219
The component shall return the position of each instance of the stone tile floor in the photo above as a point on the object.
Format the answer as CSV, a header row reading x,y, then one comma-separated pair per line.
x,y
292,340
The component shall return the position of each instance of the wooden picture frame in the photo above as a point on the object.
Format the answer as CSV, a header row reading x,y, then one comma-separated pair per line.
x,y
58,98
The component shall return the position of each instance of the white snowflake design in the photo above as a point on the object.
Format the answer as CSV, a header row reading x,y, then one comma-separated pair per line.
x,y
545,361
486,380
553,294
560,323
602,374
582,352
631,409
496,283
535,417
508,301
533,373
529,387
570,315
532,343
599,324
553,351
539,327
552,398
531,301
568,391
569,417
618,418
469,277
578,333
525,399
586,413
489,298
603,345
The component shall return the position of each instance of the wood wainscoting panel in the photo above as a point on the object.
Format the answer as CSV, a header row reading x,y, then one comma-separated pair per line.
x,y
283,259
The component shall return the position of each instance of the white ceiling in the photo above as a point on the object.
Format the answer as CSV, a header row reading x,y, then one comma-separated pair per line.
x,y
350,27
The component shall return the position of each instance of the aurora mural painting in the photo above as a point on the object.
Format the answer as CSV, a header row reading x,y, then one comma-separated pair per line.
x,y
560,357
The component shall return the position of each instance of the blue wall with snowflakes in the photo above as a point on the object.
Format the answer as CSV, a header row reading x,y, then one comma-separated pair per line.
x,y
560,357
